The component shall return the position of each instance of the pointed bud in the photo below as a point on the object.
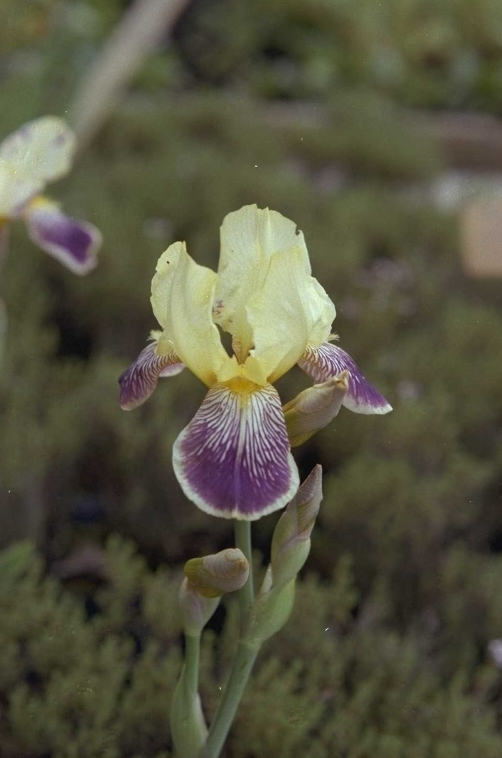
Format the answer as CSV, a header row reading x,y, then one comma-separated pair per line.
x,y
315,408
196,610
214,575
291,540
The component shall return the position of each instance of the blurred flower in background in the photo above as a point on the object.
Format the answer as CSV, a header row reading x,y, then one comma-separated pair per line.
x,y
36,154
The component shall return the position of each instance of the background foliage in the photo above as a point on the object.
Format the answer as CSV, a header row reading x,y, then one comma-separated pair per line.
x,y
301,106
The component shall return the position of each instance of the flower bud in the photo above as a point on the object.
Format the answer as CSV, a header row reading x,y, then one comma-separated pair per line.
x,y
315,408
196,610
291,540
214,575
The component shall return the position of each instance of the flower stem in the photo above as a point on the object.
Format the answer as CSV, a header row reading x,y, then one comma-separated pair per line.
x,y
242,530
243,664
188,726
192,658
244,658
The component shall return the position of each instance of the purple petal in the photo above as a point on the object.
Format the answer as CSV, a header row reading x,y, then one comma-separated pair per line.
x,y
329,360
233,459
73,243
138,382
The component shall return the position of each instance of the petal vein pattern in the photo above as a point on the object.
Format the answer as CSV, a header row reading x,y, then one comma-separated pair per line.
x,y
329,360
234,460
139,381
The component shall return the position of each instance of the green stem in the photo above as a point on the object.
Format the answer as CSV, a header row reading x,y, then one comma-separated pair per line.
x,y
192,658
242,530
243,664
244,658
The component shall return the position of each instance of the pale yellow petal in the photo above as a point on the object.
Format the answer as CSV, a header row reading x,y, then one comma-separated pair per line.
x,y
250,238
36,153
16,189
42,148
290,310
182,301
322,313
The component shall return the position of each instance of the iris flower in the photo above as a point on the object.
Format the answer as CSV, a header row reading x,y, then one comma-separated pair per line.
x,y
234,458
36,154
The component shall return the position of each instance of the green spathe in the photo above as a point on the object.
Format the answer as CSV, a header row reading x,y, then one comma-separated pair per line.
x,y
270,613
188,727
196,610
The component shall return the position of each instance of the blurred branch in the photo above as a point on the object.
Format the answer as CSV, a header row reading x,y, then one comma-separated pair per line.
x,y
138,33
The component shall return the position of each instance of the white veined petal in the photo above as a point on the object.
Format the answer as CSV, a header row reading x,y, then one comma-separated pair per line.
x,y
138,382
233,459
330,360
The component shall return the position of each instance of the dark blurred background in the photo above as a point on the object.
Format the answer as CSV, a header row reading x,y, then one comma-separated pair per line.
x,y
376,128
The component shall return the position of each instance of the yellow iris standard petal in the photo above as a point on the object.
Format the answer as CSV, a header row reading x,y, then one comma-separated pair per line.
x,y
263,295
182,301
322,313
42,148
289,311
15,189
41,151
250,239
